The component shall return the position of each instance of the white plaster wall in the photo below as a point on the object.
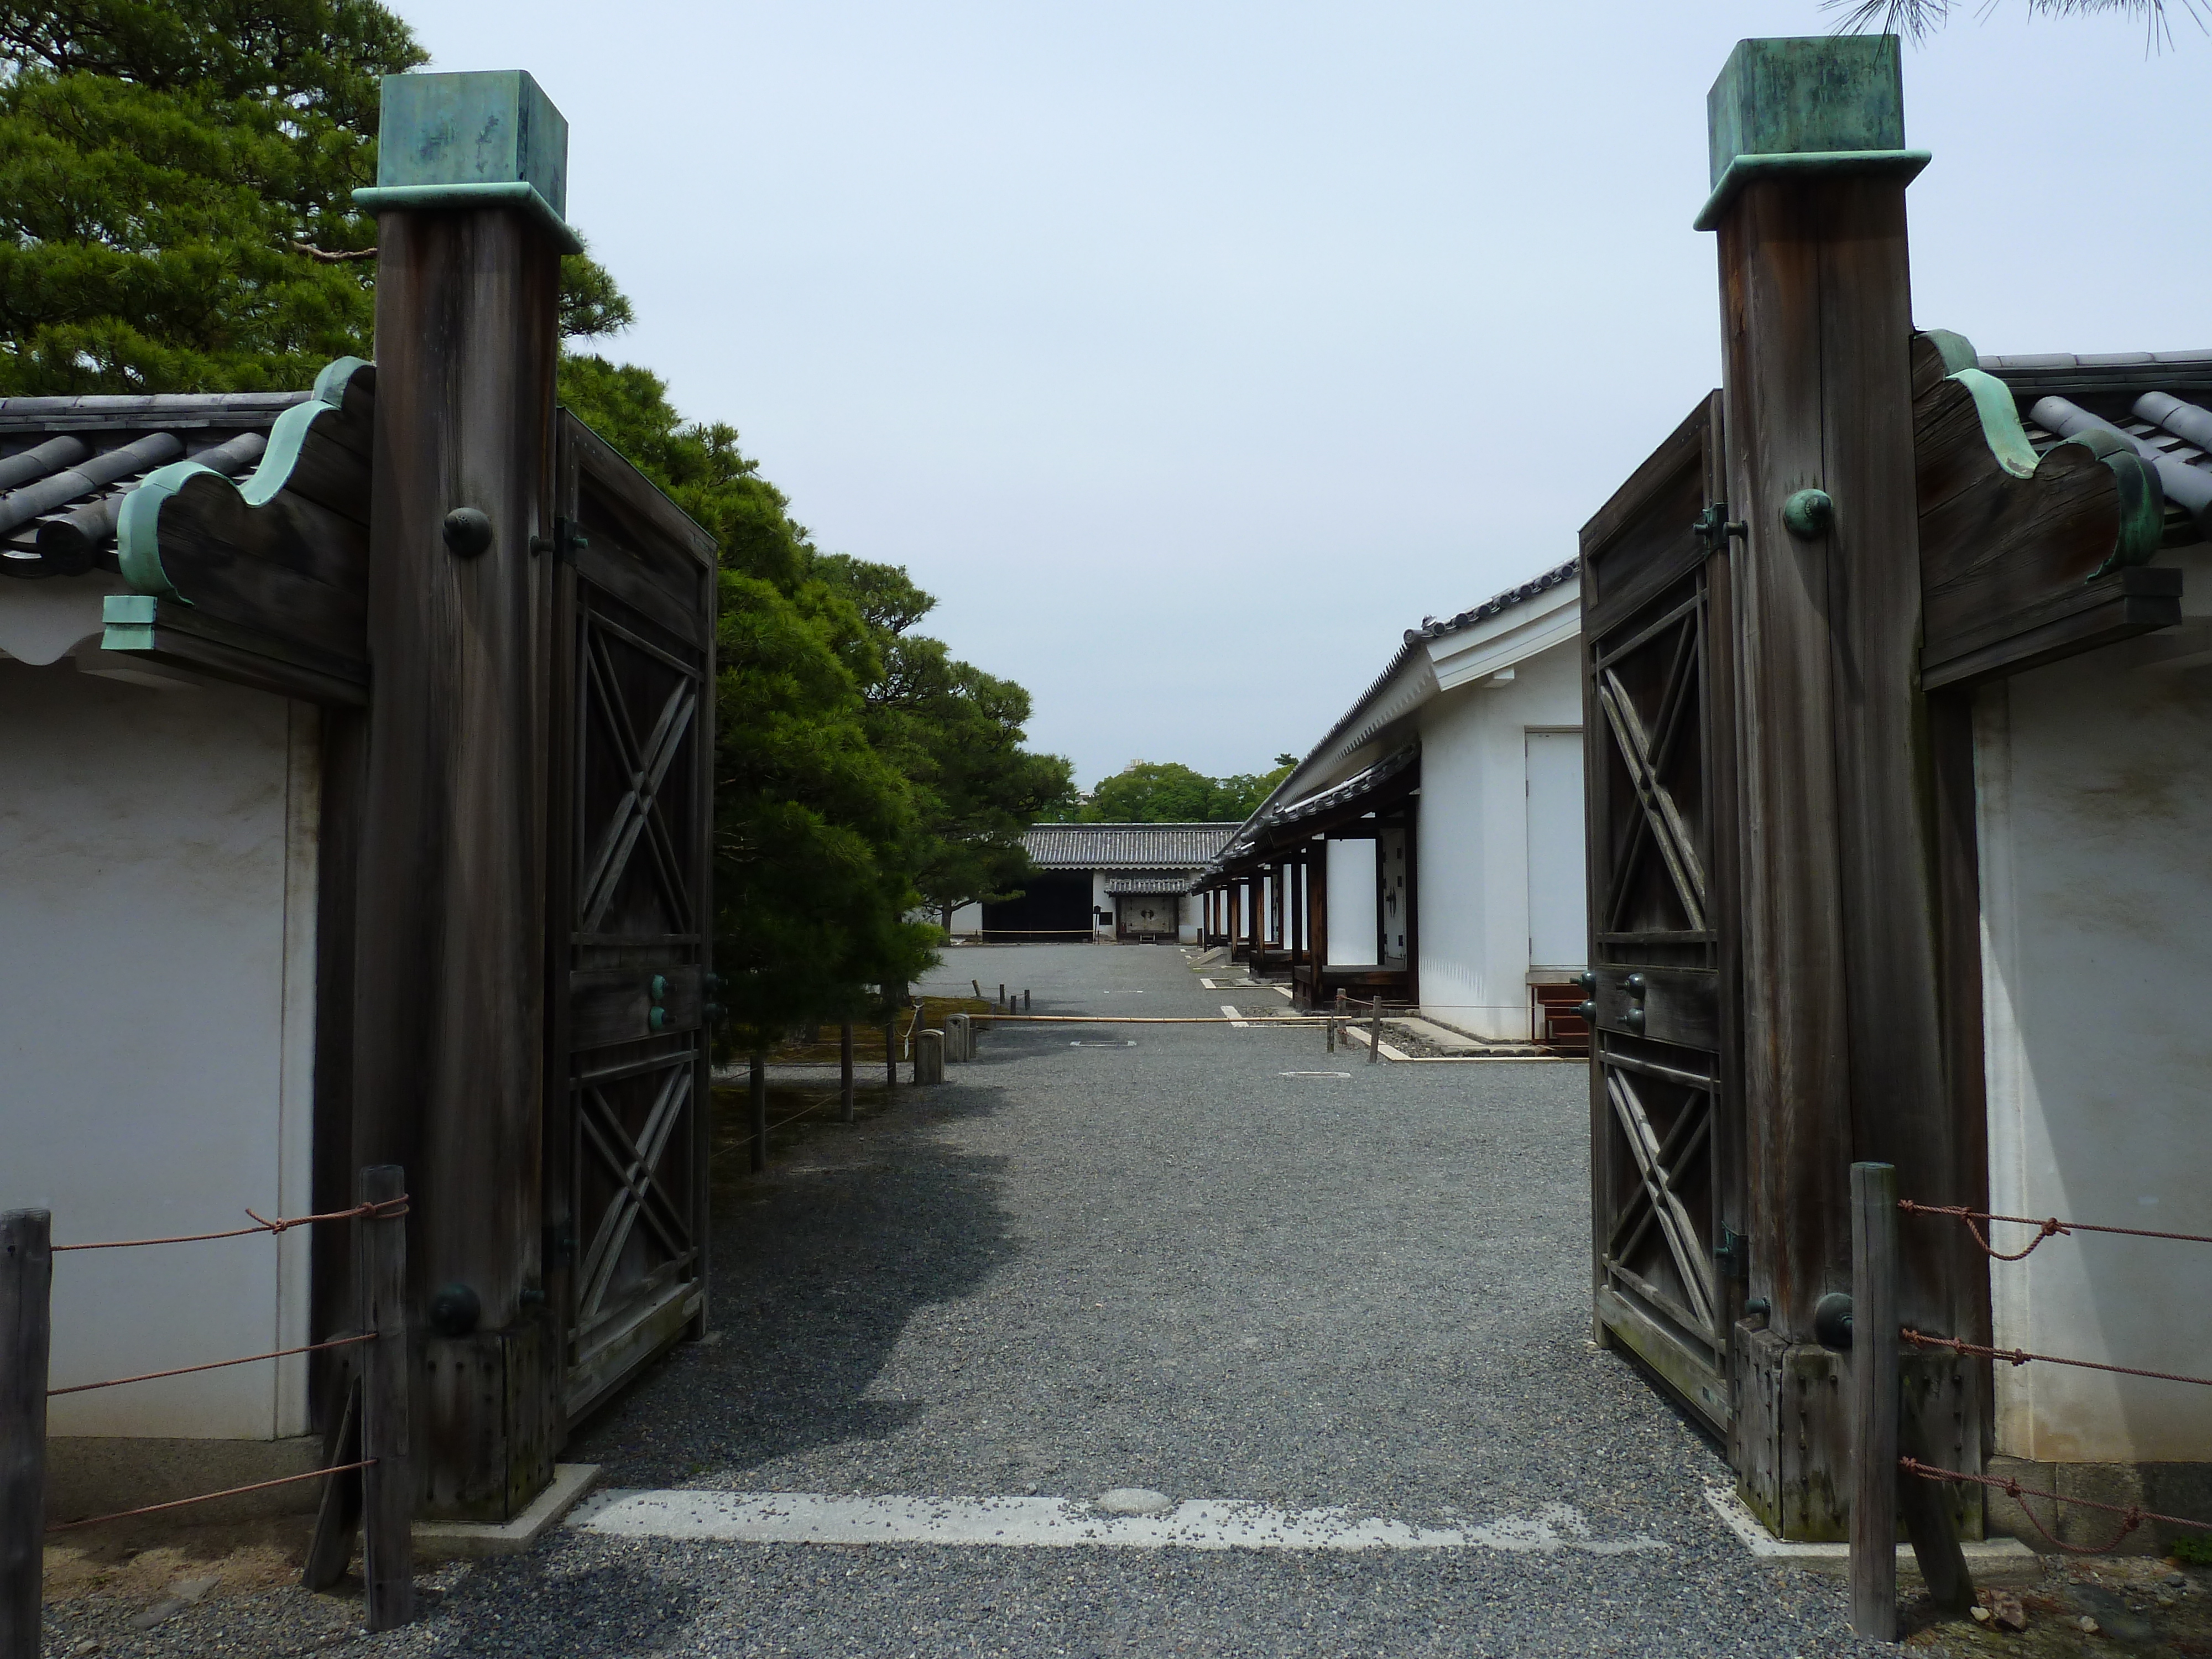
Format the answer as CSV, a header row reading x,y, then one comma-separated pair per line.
x,y
157,883
1352,934
1473,840
2095,819
1189,918
968,919
1100,901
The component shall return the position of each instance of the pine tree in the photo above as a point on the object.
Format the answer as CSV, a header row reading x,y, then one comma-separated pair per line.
x,y
176,183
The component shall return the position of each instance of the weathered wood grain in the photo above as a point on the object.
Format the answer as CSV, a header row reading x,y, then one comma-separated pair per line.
x,y
388,1484
1797,1078
1872,1383
27,1272
451,988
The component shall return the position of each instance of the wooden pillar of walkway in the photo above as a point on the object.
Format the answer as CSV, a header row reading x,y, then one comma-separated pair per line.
x,y
449,949
1843,1055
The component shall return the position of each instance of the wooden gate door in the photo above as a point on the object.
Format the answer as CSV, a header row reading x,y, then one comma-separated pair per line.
x,y
1665,1119
631,691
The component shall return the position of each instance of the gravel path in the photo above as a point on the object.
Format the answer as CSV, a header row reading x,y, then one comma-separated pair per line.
x,y
1145,1256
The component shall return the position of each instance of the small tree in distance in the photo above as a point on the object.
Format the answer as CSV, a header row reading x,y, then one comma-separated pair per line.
x,y
1168,791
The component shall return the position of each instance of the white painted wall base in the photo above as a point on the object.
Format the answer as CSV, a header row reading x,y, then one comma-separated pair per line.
x,y
2095,808
157,934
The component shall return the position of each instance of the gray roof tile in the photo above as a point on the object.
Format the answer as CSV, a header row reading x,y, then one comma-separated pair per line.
x,y
1125,847
66,463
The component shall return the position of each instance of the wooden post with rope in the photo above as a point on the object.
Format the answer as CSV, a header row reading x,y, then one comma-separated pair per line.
x,y
26,1275
1873,1399
845,1073
388,1482
756,1095
1375,1031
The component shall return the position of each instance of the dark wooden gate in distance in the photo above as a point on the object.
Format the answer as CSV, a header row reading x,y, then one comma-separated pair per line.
x,y
1666,1104
630,920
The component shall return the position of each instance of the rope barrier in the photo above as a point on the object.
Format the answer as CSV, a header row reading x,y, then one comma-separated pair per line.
x,y
213,1365
2049,1228
2021,1357
388,1210
1157,1019
210,1497
2132,1514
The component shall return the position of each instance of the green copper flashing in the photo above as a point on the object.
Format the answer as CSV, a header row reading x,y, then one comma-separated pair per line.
x,y
376,197
1827,104
127,620
1956,350
1906,163
476,139
138,527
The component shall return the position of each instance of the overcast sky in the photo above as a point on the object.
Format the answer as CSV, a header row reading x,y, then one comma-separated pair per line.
x,y
1190,353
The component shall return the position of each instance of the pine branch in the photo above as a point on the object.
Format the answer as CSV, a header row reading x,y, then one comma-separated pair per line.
x,y
1916,20
324,257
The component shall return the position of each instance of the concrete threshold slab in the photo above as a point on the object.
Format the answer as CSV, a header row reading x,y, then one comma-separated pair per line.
x,y
1068,1522
468,1541
1991,1561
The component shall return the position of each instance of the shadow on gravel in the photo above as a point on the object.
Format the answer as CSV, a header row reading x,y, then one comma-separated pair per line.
x,y
817,1266
517,1606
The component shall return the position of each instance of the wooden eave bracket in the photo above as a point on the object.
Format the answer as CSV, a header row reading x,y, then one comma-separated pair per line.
x,y
261,580
171,632
2025,559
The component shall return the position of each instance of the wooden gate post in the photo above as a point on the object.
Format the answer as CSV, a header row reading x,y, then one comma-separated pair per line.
x,y
1841,1039
387,1486
449,1026
27,1276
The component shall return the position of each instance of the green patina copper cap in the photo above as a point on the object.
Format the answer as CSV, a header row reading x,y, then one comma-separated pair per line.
x,y
482,138
1825,104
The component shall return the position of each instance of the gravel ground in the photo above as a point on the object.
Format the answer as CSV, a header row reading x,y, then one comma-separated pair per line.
x,y
1137,1255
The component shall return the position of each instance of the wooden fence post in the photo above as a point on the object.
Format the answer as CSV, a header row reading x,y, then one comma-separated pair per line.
x,y
1873,1390
27,1276
756,1095
388,1482
845,1073
929,1056
1375,1031
890,1049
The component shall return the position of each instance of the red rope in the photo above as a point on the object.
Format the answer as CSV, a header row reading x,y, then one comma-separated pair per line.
x,y
210,1497
212,1366
2131,1515
2045,1228
385,1210
2021,1357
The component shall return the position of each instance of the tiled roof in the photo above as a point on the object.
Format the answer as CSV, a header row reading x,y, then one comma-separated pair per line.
x,y
1127,846
2158,401
67,463
1167,881
1497,602
1359,783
